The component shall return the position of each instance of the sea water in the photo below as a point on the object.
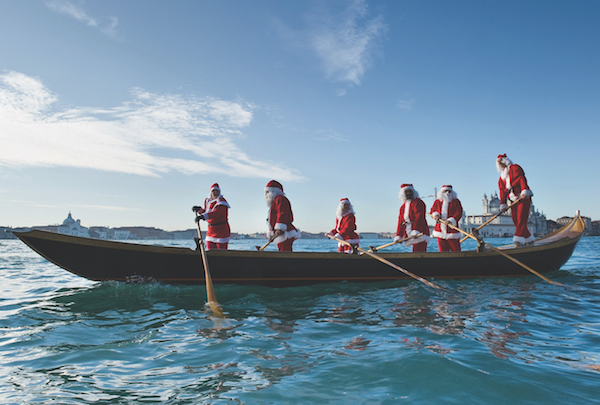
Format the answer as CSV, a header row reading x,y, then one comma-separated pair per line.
x,y
67,340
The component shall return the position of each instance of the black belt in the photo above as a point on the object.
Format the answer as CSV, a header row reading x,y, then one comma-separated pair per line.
x,y
220,223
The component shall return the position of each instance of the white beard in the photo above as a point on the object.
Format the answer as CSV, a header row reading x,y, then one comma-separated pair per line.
x,y
446,198
339,213
270,195
402,196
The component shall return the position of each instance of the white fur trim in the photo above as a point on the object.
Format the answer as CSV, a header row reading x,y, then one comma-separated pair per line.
x,y
217,240
351,241
526,193
275,190
523,240
422,238
220,201
294,234
446,236
452,221
279,226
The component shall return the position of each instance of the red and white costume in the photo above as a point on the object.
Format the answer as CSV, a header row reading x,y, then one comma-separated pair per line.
x,y
345,227
215,213
513,185
280,217
447,206
411,220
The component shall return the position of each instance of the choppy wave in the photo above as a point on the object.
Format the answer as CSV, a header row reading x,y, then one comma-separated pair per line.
x,y
493,341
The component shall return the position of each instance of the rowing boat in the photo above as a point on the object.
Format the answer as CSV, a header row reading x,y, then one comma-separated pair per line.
x,y
103,260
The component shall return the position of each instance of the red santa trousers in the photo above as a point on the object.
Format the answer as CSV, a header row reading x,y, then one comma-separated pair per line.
x,y
218,246
286,245
520,216
448,245
420,247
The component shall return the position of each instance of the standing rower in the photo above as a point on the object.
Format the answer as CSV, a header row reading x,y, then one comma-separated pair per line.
x,y
447,206
513,186
215,212
280,217
411,220
345,226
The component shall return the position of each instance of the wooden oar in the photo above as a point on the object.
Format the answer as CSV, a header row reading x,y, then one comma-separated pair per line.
x,y
381,259
266,244
210,290
494,217
375,249
479,240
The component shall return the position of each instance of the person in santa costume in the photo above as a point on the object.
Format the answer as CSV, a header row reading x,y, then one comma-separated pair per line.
x,y
447,206
411,220
215,212
513,185
280,217
345,226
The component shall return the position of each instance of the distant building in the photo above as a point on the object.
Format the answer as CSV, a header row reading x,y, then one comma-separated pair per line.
x,y
502,226
102,232
141,232
552,226
369,235
187,234
73,227
596,228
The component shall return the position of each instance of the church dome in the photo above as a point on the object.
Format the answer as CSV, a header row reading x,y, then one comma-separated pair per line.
x,y
68,221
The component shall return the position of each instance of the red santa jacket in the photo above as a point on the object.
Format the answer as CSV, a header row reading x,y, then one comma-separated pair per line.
x,y
281,218
215,213
450,211
411,221
345,227
512,183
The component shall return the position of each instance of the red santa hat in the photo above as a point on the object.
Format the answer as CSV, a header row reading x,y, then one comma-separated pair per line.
x,y
344,200
274,184
445,188
403,188
215,187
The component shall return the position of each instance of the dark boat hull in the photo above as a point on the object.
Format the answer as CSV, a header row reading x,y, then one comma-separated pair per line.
x,y
106,260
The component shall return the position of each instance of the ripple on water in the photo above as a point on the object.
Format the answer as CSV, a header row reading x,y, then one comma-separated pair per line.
x,y
489,341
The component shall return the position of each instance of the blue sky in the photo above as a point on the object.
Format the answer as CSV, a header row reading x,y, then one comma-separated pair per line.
x,y
125,112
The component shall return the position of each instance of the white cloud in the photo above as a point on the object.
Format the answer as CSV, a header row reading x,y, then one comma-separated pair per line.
x,y
149,135
406,103
331,136
107,207
68,8
346,43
